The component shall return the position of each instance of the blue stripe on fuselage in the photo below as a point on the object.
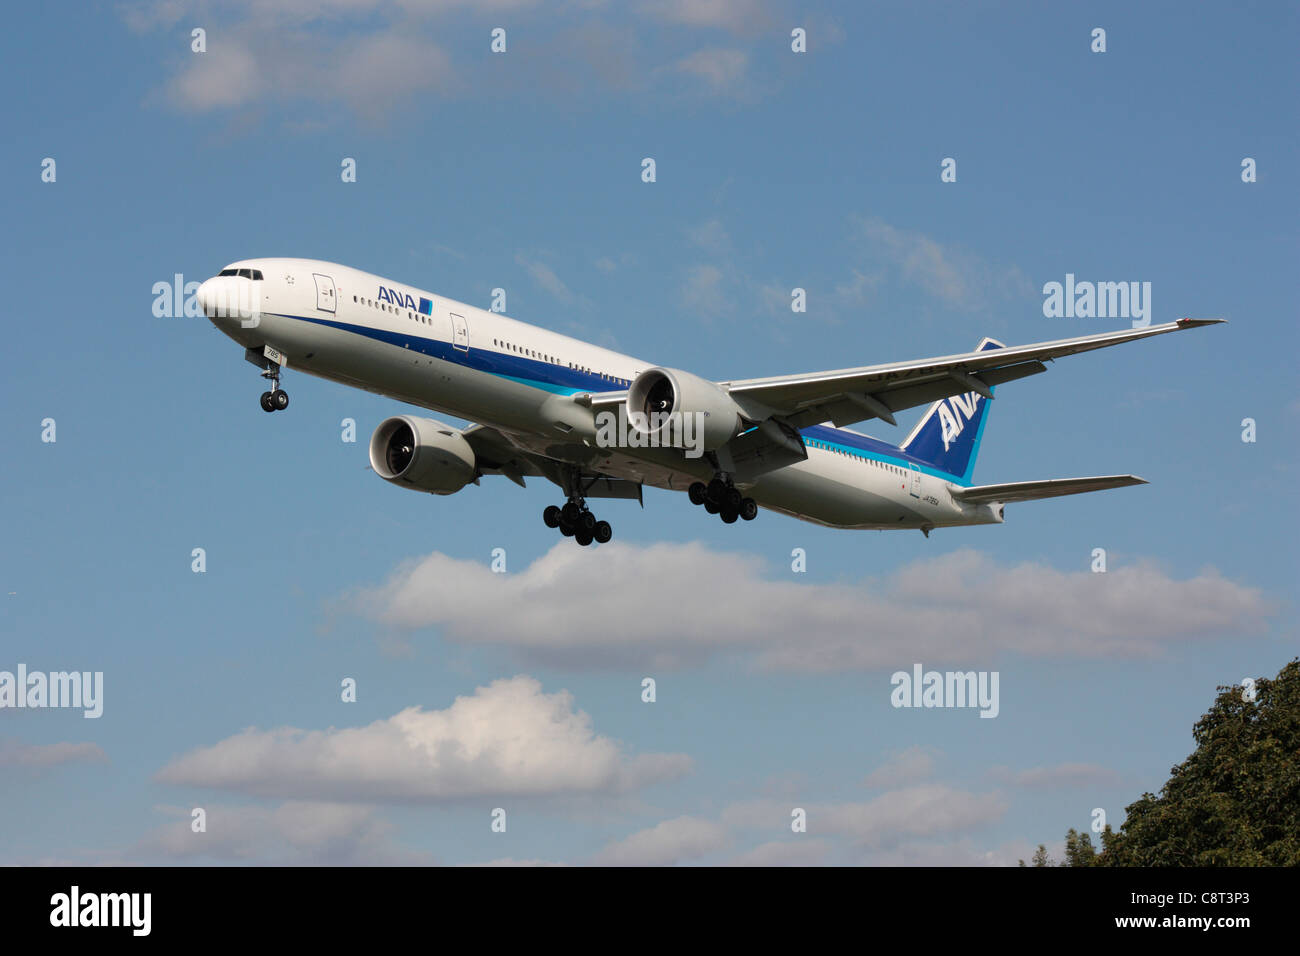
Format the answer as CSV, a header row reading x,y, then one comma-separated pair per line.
x,y
562,380
547,376
864,446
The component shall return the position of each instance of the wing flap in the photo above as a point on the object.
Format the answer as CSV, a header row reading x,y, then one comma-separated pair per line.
x,y
1050,488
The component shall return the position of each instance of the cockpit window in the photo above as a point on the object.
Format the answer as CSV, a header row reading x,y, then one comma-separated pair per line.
x,y
257,274
242,273
228,272
245,273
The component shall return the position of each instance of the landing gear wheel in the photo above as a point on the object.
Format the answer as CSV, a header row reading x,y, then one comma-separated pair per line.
x,y
571,513
267,404
603,532
551,516
583,538
729,516
732,499
717,490
749,509
280,399
587,522
566,529
697,492
710,507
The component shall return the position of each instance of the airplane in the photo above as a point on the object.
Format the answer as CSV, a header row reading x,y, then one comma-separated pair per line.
x,y
543,404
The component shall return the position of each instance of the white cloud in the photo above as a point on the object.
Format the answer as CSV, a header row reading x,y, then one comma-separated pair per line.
x,y
800,850
371,55
670,842
721,70
905,814
256,67
960,852
734,16
510,861
703,291
545,277
958,277
711,236
507,739
907,766
292,834
1064,776
14,753
981,609
856,291
923,810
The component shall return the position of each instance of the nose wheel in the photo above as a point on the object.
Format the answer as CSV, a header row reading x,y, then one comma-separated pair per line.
x,y
720,497
276,400
575,521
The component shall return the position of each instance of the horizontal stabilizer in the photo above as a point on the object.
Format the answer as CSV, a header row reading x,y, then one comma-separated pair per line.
x,y
1033,490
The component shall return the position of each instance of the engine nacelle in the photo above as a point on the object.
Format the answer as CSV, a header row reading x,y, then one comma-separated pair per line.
x,y
422,454
665,391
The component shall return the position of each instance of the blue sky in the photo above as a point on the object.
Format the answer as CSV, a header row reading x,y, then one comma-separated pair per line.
x,y
522,171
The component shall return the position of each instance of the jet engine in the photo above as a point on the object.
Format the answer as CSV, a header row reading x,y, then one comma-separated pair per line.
x,y
671,394
422,454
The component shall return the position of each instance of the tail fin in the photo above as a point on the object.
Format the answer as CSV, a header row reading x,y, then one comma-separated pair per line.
x,y
948,437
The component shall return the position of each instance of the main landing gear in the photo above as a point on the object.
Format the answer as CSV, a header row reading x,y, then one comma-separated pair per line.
x,y
276,400
721,497
577,522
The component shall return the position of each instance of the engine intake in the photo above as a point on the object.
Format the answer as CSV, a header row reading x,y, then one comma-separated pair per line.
x,y
422,454
660,397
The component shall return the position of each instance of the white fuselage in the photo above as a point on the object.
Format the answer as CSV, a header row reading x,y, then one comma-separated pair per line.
x,y
393,339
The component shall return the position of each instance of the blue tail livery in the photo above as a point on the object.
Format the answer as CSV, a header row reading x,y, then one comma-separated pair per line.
x,y
948,437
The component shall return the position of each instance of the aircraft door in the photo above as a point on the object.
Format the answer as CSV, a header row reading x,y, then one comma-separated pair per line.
x,y
325,296
916,480
459,333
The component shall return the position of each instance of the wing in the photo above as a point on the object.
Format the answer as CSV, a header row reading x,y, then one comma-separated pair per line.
x,y
877,391
496,455
1033,490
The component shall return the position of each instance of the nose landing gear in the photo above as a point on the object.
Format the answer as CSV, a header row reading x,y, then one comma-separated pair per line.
x,y
276,400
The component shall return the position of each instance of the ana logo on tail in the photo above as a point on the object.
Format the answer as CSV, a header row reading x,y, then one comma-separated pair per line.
x,y
954,414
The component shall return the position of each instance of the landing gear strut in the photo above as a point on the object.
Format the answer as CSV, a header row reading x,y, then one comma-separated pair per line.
x,y
577,522
721,497
277,399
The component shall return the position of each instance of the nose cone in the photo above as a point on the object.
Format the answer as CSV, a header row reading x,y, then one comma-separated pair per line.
x,y
207,298
228,300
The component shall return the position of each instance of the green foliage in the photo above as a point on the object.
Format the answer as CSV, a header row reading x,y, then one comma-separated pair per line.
x,y
1040,857
1234,802
1078,849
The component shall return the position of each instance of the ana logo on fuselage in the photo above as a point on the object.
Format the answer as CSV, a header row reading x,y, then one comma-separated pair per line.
x,y
402,300
954,414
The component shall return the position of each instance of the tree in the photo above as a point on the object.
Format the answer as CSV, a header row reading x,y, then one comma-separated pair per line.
x,y
1078,849
1235,801
1040,857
